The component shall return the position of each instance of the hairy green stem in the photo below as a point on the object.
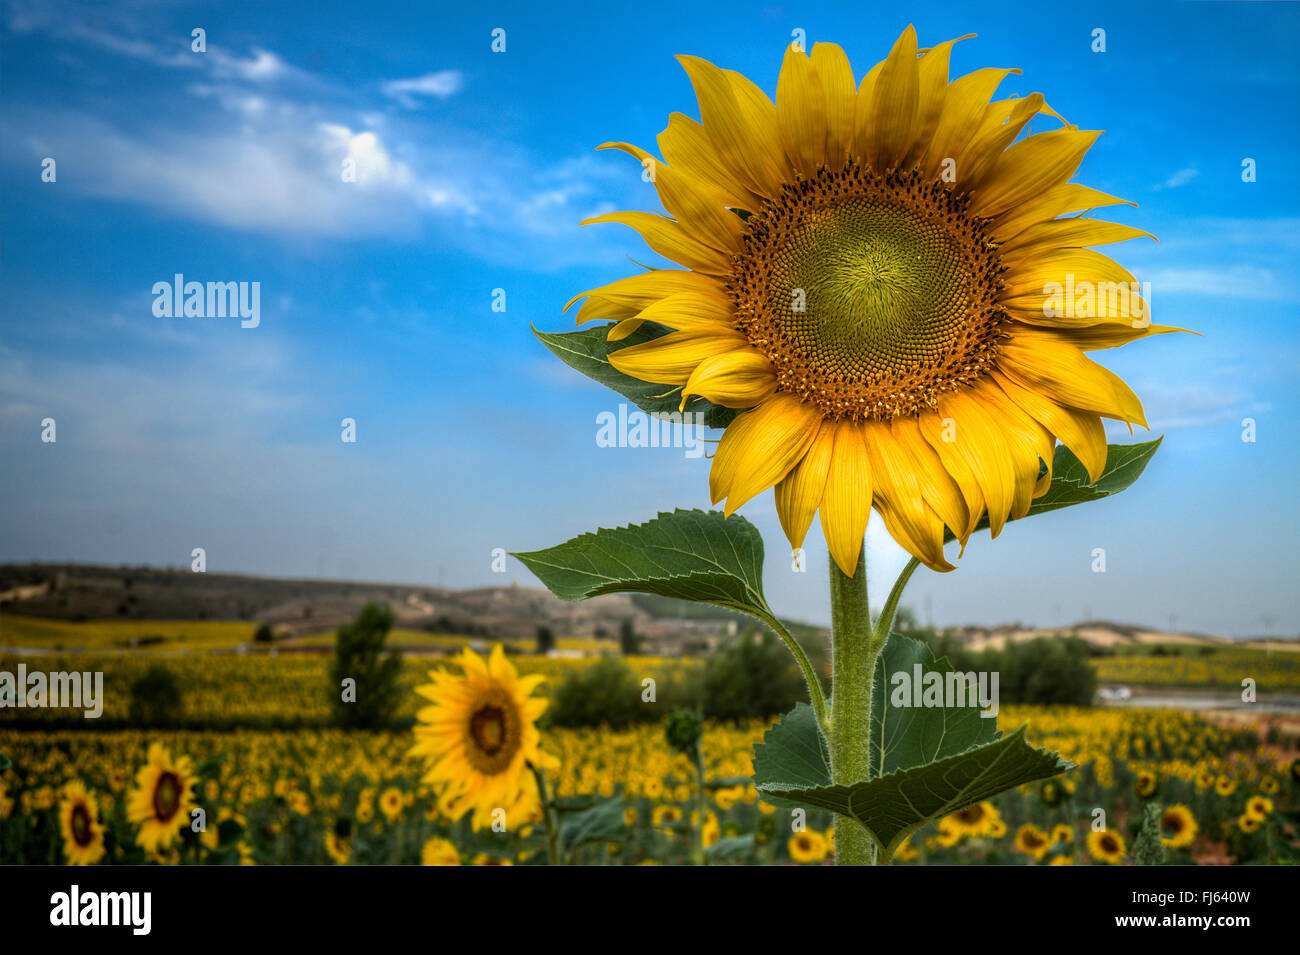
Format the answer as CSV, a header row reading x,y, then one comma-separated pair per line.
x,y
885,622
810,676
854,649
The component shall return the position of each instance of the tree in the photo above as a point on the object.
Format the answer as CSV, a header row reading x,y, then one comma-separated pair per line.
x,y
371,698
263,633
545,640
156,698
629,640
752,677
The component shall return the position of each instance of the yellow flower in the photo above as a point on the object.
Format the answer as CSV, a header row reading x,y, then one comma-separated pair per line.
x,y
976,820
390,803
1248,823
1061,860
1177,827
1032,841
438,851
887,308
338,846
479,737
1106,846
1062,833
162,799
1225,785
1259,807
83,836
1146,785
807,846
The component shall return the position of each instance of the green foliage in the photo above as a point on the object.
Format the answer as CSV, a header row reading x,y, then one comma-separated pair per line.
x,y
1048,670
263,634
1148,849
629,641
587,350
359,654
1124,465
156,698
609,693
925,761
545,639
754,676
682,730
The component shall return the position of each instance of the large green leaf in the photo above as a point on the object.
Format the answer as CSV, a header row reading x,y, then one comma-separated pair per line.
x,y
588,349
1124,465
926,761
602,822
692,555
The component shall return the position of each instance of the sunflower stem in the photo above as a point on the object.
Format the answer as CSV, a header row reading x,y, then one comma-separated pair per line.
x,y
815,693
701,807
549,817
853,654
885,622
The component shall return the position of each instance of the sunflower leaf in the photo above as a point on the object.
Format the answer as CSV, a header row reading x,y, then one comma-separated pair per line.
x,y
926,760
587,350
603,822
691,555
1124,465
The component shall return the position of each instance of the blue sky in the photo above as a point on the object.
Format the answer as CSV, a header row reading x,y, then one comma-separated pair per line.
x,y
474,170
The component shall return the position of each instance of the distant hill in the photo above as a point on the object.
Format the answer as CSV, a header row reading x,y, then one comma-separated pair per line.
x,y
299,607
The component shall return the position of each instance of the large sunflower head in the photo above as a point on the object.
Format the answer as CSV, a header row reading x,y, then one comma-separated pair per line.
x,y
83,835
162,799
876,274
479,736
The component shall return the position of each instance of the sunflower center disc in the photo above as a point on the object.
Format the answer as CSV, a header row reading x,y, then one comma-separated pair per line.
x,y
166,796
81,826
494,734
871,296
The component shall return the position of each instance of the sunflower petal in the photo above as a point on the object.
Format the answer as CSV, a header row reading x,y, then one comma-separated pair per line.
x,y
671,359
846,503
737,379
800,493
1041,361
801,112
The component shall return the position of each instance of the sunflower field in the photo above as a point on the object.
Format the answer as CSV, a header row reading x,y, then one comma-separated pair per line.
x,y
269,789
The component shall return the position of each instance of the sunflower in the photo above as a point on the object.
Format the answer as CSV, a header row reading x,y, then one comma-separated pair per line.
x,y
438,851
976,820
1177,827
479,736
83,835
1248,823
162,799
1062,833
1146,785
1259,807
1225,785
807,846
1106,846
874,274
1032,841
391,802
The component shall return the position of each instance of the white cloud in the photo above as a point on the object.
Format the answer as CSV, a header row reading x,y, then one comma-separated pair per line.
x,y
1181,178
439,85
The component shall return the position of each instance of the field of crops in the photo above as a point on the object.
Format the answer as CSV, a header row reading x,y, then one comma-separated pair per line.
x,y
275,794
1272,672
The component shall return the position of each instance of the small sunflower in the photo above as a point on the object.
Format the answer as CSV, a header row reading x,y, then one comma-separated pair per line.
x,y
807,846
1225,785
1259,807
1269,785
871,274
83,835
1032,841
162,799
1146,785
439,851
1177,826
1248,823
391,802
1107,846
1062,834
479,736
974,821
